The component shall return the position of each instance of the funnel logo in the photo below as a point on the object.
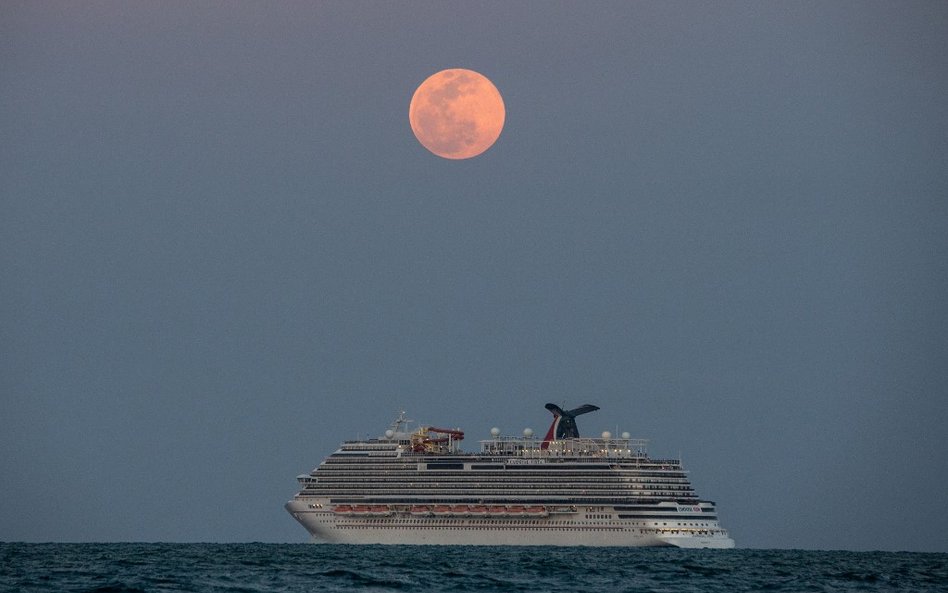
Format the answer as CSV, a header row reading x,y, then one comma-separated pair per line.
x,y
564,423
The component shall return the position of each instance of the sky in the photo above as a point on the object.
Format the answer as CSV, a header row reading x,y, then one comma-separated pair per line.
x,y
222,252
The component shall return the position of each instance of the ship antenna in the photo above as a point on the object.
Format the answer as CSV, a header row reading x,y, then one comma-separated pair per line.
x,y
399,421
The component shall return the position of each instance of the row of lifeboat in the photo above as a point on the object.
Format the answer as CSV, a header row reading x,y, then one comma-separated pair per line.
x,y
460,510
463,510
361,510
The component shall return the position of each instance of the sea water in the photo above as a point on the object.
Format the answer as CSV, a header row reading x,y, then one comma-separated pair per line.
x,y
115,568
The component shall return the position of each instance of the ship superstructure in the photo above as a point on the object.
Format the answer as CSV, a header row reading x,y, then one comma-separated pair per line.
x,y
418,487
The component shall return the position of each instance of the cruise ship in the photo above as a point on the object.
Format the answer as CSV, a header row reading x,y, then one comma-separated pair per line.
x,y
418,487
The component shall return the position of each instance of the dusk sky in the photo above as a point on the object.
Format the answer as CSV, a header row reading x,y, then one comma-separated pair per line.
x,y
223,251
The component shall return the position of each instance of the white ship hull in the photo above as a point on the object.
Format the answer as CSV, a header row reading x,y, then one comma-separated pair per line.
x,y
327,527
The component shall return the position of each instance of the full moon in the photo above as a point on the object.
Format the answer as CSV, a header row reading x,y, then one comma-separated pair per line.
x,y
457,113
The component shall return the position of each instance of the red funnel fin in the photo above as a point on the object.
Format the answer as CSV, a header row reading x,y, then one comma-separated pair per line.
x,y
550,434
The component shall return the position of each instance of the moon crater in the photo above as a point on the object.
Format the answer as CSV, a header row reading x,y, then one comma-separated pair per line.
x,y
457,113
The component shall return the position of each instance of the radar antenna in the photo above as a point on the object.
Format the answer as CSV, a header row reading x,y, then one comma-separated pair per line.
x,y
398,422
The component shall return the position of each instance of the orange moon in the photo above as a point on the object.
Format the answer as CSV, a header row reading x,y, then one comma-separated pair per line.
x,y
457,113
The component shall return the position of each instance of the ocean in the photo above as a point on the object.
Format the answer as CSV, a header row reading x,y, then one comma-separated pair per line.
x,y
120,568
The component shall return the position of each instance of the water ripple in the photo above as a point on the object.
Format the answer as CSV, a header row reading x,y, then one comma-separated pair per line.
x,y
260,568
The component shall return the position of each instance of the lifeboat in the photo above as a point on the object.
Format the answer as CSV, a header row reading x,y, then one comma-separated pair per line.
x,y
460,510
478,510
536,511
420,511
379,511
361,509
342,509
441,510
497,511
516,511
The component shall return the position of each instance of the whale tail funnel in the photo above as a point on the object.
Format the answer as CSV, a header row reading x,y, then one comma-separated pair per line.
x,y
564,423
